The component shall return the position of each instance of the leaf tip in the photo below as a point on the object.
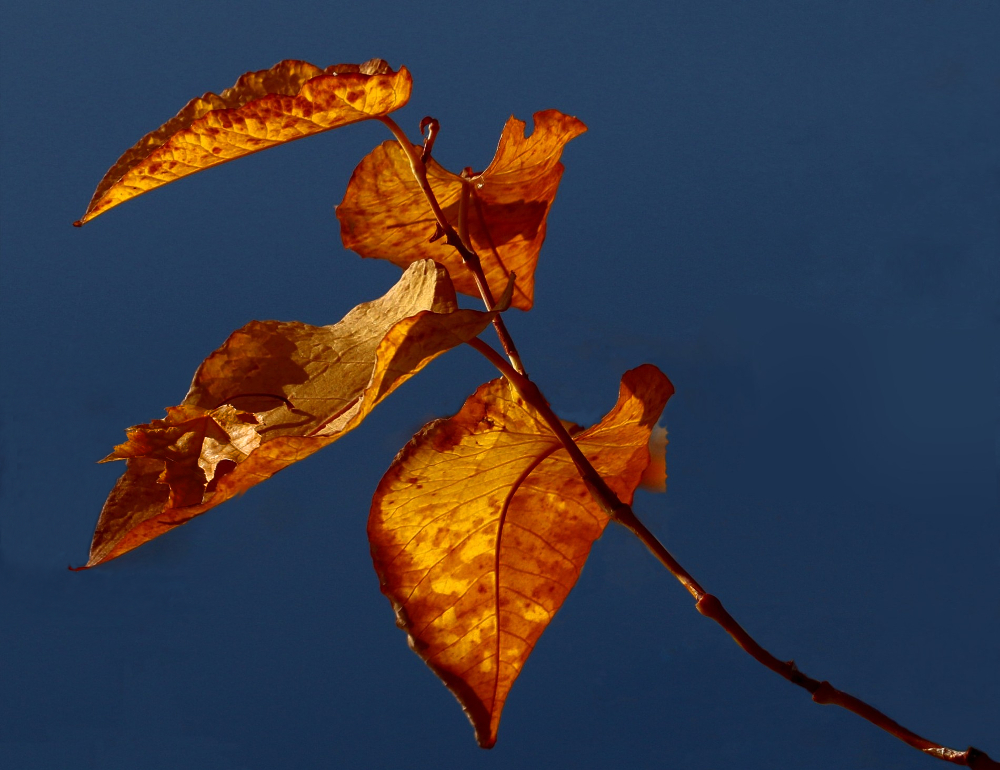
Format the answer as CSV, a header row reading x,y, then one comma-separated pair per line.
x,y
78,223
486,742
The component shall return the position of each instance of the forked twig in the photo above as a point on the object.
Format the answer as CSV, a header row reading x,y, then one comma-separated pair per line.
x,y
471,259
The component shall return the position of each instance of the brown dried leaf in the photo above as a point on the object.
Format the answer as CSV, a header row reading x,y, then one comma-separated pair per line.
x,y
273,394
482,524
291,100
385,215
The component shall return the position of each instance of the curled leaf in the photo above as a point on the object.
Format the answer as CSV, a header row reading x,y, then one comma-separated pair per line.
x,y
481,526
290,100
384,213
273,394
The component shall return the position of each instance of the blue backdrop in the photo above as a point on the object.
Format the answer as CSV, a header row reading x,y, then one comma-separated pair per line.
x,y
790,208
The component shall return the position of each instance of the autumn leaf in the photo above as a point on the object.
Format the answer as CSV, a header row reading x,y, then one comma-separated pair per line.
x,y
654,478
482,524
291,100
384,213
273,394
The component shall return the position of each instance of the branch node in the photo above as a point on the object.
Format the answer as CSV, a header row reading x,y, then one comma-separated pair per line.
x,y
620,512
825,694
979,760
709,606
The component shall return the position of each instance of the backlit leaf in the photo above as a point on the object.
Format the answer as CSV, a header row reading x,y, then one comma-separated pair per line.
x,y
291,100
655,477
273,394
384,213
481,526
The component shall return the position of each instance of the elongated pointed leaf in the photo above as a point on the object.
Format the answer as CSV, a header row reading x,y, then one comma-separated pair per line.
x,y
481,526
273,394
384,213
291,100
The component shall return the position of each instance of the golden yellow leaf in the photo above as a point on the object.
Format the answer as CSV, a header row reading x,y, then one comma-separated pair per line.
x,y
482,524
384,213
291,100
273,394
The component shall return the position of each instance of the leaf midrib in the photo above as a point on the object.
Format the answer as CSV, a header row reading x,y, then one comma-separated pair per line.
x,y
496,559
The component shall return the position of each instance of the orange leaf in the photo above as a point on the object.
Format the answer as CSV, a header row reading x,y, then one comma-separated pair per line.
x,y
482,524
291,100
273,394
384,213
655,477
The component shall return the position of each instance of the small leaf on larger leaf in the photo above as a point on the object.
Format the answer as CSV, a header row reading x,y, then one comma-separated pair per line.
x,y
291,100
481,526
384,213
273,394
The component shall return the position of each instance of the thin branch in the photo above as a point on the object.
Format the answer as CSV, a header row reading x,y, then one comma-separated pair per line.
x,y
471,259
822,692
708,605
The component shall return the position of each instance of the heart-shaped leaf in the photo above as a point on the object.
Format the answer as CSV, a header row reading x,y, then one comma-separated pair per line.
x,y
481,526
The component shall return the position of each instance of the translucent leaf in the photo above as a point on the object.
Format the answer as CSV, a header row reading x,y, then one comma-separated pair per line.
x,y
384,213
291,100
482,524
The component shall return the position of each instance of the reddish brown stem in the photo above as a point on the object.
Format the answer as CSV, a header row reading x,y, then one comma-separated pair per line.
x,y
707,604
471,259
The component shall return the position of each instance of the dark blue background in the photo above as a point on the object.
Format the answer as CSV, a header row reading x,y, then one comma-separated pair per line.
x,y
790,208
